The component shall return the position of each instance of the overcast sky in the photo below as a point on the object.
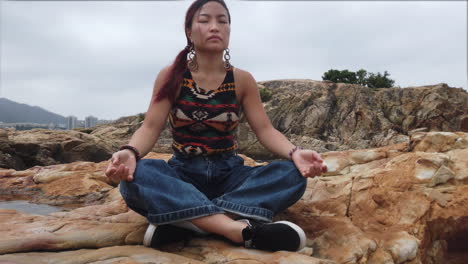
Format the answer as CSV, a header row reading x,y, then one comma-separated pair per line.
x,y
101,58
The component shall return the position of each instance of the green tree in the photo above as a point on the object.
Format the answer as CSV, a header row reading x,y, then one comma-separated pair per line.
x,y
141,117
265,95
379,81
344,76
361,77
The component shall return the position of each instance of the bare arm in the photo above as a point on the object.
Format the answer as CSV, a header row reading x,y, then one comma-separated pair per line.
x,y
155,119
123,163
258,120
308,162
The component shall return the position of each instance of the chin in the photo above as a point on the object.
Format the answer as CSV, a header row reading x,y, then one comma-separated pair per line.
x,y
213,48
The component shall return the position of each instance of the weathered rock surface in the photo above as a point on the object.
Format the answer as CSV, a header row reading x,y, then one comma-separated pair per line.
x,y
328,117
40,147
71,185
403,203
107,255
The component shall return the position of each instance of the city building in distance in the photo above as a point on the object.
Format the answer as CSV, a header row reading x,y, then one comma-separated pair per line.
x,y
72,122
90,121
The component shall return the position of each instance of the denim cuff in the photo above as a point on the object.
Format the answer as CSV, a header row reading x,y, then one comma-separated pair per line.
x,y
256,213
182,215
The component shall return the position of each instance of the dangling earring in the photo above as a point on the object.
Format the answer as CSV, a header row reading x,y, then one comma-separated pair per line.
x,y
192,59
227,57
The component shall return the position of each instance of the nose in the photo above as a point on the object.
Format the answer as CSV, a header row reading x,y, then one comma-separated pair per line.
x,y
214,26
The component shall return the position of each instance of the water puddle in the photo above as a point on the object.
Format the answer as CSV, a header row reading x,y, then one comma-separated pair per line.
x,y
30,208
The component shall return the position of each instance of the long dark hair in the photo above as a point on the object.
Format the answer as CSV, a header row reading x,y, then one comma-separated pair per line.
x,y
179,66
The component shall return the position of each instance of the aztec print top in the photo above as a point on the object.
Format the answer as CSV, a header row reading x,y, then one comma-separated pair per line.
x,y
204,122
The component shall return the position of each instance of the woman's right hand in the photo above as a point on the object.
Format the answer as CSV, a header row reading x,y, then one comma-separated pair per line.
x,y
121,166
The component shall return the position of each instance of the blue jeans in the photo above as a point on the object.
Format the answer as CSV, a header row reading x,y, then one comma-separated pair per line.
x,y
185,188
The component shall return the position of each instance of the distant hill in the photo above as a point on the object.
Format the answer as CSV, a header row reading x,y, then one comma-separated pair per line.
x,y
13,112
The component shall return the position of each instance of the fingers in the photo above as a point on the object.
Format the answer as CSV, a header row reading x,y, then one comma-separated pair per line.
x,y
324,168
317,171
120,169
118,172
110,171
115,159
314,169
317,157
121,173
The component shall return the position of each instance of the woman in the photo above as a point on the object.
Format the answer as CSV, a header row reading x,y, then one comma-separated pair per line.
x,y
205,186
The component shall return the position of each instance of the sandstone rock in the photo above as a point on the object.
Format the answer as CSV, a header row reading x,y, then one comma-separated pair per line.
x,y
107,255
77,183
325,116
439,141
328,116
217,251
390,205
403,203
71,185
39,147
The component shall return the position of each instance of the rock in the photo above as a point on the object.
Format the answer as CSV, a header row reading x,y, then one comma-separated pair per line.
x,y
72,185
86,228
39,147
77,183
402,203
439,141
218,251
390,205
325,116
7,158
107,255
422,129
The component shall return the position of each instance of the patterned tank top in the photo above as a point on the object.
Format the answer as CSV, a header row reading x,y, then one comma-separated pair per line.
x,y
204,122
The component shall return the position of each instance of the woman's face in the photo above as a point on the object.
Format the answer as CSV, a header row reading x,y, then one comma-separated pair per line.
x,y
210,28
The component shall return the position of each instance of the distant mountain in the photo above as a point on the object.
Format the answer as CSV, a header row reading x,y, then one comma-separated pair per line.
x,y
13,112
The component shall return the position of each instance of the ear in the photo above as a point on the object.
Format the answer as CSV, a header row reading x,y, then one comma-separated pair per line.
x,y
189,34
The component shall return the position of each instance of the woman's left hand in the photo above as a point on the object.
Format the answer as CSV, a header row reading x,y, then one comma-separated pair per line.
x,y
309,163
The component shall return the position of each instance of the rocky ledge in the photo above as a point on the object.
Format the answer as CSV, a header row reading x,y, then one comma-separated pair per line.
x,y
328,116
24,149
402,203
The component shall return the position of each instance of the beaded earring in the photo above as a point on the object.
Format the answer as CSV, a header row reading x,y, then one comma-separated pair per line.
x,y
192,59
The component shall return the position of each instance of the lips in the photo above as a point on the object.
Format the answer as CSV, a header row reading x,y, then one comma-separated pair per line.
x,y
214,37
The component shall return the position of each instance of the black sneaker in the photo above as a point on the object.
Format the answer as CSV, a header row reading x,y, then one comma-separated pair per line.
x,y
282,235
160,235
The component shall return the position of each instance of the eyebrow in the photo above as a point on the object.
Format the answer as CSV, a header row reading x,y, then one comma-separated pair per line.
x,y
208,15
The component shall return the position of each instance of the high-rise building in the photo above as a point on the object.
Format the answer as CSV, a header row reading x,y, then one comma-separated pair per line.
x,y
90,121
71,122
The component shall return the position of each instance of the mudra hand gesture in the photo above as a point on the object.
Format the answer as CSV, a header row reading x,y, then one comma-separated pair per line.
x,y
121,166
309,163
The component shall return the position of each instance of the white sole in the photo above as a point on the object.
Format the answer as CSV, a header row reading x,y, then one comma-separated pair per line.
x,y
149,235
189,226
299,231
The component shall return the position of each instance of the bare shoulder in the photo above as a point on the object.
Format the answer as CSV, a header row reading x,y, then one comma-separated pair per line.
x,y
161,78
241,75
245,82
165,70
164,73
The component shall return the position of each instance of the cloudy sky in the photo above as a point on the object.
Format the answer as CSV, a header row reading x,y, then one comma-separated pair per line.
x,y
101,57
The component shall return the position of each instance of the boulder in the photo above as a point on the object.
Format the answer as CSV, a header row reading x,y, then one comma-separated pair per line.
x,y
327,116
402,203
40,147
